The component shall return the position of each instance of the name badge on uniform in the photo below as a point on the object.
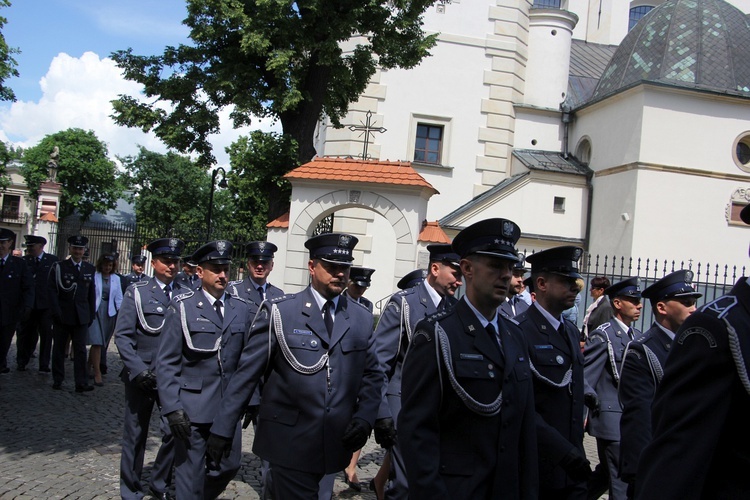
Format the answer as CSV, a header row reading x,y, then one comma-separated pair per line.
x,y
203,319
546,346
301,332
477,357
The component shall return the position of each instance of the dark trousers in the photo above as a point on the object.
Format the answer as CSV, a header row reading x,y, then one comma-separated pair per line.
x,y
397,487
609,458
37,328
60,334
6,338
290,484
575,492
138,408
190,476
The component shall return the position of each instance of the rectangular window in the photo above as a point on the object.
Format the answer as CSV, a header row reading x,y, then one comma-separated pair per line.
x,y
547,4
429,143
559,206
11,206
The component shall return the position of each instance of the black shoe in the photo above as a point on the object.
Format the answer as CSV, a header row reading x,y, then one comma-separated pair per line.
x,y
84,388
5,370
354,486
44,369
159,496
57,386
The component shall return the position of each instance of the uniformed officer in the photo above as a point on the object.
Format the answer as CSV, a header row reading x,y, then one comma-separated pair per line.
x,y
256,288
360,279
411,279
39,325
602,356
514,304
188,277
701,409
467,424
557,366
73,305
672,299
16,294
322,377
137,272
203,336
137,334
394,333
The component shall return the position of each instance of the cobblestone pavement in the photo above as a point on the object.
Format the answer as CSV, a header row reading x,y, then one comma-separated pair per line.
x,y
60,444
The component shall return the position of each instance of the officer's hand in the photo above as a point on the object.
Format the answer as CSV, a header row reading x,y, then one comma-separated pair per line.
x,y
180,424
356,434
146,381
251,415
385,432
216,448
592,403
576,465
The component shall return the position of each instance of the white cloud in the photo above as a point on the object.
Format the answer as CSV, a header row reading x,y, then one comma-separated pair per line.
x,y
76,92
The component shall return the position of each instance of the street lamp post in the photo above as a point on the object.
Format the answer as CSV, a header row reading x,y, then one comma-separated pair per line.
x,y
222,184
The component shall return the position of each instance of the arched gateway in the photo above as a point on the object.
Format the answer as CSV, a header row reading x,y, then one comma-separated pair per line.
x,y
382,203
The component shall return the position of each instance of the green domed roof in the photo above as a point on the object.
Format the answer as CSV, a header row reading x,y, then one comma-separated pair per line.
x,y
698,44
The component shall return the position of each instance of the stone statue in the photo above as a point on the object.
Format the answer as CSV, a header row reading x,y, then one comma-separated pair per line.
x,y
52,163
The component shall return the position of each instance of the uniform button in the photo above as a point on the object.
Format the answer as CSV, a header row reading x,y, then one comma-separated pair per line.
x,y
328,408
492,374
490,367
303,343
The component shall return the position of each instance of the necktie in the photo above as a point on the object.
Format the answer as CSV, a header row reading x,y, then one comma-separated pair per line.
x,y
217,306
493,333
328,316
260,292
78,268
630,333
167,289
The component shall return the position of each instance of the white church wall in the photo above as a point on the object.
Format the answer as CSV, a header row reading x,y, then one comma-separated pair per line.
x,y
692,130
612,212
613,128
538,129
683,218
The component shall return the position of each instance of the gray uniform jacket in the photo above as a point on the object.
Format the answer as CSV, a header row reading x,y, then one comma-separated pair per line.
x,y
137,333
246,290
642,370
303,415
199,354
602,356
393,334
450,451
362,300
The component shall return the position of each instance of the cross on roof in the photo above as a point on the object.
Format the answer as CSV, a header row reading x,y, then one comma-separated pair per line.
x,y
367,128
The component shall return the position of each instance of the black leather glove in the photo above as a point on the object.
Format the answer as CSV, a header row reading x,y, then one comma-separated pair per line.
x,y
180,424
145,381
356,434
576,465
216,448
385,432
251,415
592,403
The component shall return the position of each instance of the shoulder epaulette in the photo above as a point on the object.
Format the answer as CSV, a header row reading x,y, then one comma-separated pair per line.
x,y
139,283
183,296
237,297
360,304
603,326
438,316
235,282
284,297
721,306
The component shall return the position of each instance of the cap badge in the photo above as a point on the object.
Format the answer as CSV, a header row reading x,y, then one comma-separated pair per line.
x,y
577,254
507,229
344,240
262,246
173,244
689,276
221,247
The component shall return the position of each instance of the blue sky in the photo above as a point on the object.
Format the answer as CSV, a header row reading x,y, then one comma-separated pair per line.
x,y
67,78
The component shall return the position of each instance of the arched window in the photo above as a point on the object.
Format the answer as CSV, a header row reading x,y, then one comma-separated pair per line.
x,y
636,13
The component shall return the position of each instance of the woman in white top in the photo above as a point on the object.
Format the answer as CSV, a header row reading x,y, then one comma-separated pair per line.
x,y
108,301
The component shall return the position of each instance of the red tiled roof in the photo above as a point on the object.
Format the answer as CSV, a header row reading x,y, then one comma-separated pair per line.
x,y
432,233
280,222
350,170
48,217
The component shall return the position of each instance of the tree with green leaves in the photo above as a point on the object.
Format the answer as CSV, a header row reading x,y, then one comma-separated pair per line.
x,y
7,63
258,165
87,175
269,58
7,155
